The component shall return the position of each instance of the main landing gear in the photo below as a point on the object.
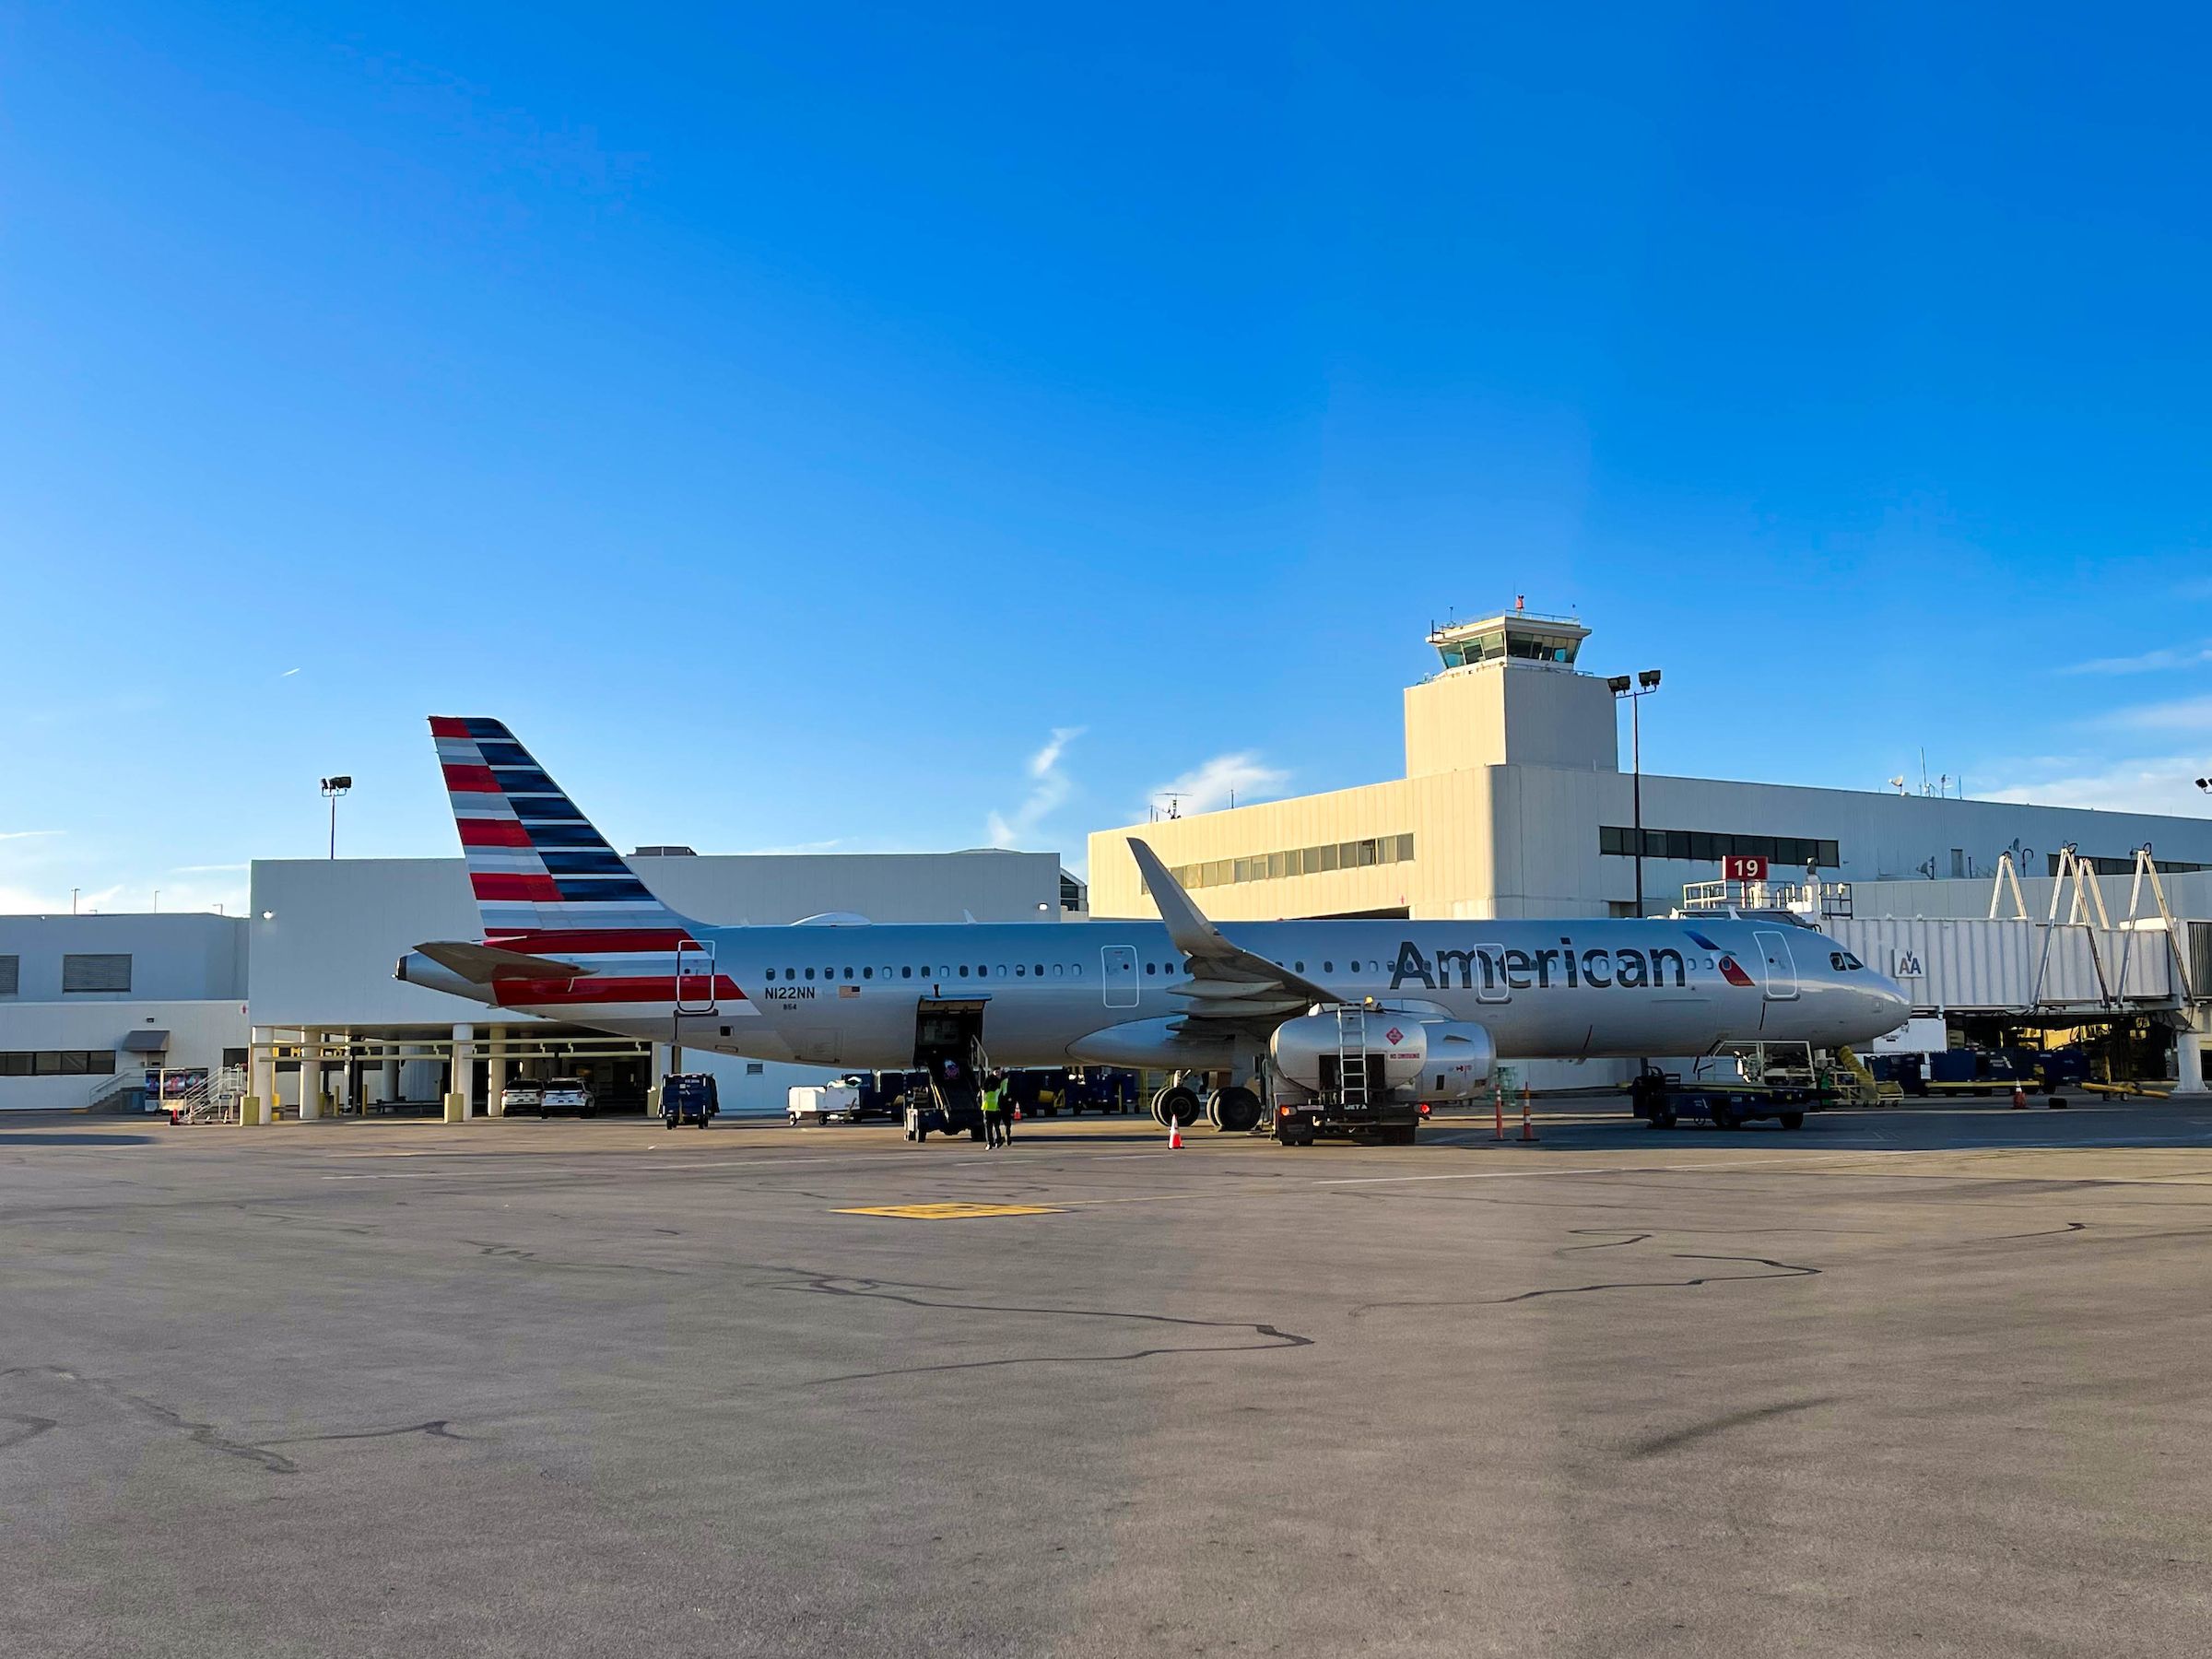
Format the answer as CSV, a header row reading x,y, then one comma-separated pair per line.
x,y
1233,1111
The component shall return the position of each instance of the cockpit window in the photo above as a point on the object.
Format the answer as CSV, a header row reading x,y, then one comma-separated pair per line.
x,y
1842,961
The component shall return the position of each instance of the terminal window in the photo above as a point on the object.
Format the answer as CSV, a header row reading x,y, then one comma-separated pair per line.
x,y
1298,861
1700,846
2126,865
11,969
96,973
58,1063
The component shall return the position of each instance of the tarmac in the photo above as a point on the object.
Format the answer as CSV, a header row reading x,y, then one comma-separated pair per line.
x,y
1928,1382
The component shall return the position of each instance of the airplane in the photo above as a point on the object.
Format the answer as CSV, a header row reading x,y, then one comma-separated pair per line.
x,y
1414,1010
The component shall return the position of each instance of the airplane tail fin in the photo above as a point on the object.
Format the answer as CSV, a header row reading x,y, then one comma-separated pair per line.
x,y
536,863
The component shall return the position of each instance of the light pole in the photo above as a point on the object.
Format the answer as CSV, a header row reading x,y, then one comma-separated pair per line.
x,y
332,789
1645,684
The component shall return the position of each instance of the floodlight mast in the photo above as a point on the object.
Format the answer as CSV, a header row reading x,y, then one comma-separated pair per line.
x,y
333,788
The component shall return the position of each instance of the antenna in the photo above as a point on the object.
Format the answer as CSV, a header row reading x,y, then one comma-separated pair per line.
x,y
1898,783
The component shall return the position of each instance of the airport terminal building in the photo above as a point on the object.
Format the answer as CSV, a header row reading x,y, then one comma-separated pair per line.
x,y
1514,802
89,1004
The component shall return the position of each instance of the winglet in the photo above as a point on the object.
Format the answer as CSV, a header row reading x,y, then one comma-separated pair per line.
x,y
1192,934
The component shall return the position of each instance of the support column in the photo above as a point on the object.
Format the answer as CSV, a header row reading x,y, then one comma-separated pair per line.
x,y
2189,1056
390,1077
661,1062
495,1082
261,1078
310,1075
460,1097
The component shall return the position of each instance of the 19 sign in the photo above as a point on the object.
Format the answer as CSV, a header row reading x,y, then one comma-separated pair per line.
x,y
1743,866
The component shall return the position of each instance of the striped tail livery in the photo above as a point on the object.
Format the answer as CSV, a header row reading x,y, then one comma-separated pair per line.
x,y
567,924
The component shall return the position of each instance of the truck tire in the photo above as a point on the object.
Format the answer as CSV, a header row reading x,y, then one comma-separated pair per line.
x,y
1725,1115
1793,1120
1663,1117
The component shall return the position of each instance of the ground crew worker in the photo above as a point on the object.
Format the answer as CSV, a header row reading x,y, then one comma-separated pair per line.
x,y
994,1117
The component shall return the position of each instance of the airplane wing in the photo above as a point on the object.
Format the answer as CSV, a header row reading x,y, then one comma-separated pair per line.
x,y
1228,986
481,964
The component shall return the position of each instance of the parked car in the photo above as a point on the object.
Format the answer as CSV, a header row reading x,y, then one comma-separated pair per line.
x,y
567,1094
526,1096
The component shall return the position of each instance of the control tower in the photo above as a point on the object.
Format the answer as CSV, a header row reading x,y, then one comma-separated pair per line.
x,y
1509,694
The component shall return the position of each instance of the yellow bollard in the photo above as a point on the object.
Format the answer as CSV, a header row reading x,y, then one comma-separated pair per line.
x,y
455,1107
249,1111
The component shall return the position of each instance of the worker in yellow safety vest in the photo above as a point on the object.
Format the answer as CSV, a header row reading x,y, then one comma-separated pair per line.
x,y
994,1117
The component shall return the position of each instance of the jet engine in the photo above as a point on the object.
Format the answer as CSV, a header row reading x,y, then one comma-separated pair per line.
x,y
1421,1058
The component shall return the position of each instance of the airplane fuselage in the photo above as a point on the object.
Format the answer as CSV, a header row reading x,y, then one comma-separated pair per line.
x,y
1105,990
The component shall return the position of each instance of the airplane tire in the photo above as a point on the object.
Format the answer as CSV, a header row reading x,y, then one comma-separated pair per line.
x,y
1180,1103
1234,1111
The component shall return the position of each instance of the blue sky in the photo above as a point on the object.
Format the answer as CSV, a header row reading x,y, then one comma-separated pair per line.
x,y
863,426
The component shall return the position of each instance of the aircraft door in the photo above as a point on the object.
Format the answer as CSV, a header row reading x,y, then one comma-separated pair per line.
x,y
1780,978
1489,974
695,978
1117,965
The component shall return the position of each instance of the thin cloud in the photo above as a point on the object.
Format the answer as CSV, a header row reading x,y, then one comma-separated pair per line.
x,y
1050,787
288,673
2161,784
28,834
222,870
2182,714
1226,778
2146,662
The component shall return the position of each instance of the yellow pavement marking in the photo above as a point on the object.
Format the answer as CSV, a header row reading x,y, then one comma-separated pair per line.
x,y
951,1212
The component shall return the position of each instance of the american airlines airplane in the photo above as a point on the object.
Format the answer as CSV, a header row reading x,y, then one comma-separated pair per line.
x,y
1411,1009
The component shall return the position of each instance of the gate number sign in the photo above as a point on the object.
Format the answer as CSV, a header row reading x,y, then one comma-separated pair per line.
x,y
1743,866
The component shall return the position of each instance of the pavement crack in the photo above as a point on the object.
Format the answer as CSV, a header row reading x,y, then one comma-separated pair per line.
x,y
437,1428
27,1427
1783,1270
205,1434
1678,1438
1608,1244
1272,1336
512,1253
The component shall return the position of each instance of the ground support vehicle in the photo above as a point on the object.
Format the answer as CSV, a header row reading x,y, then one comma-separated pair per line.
x,y
1336,1082
810,1104
524,1096
948,1053
1774,1081
689,1098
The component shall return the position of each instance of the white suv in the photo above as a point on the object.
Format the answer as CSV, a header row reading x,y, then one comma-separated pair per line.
x,y
568,1093
524,1096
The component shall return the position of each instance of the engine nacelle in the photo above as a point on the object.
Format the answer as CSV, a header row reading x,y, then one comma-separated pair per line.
x,y
1421,1058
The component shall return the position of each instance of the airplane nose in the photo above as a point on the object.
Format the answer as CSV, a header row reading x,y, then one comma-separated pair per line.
x,y
1887,1002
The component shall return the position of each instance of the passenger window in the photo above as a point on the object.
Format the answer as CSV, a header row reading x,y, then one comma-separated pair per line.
x,y
1328,967
1002,970
1298,967
867,974
1019,972
1039,969
848,974
906,973
1151,967
963,970
809,973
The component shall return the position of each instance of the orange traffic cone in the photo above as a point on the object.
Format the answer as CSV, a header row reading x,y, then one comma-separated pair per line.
x,y
2019,1098
1174,1135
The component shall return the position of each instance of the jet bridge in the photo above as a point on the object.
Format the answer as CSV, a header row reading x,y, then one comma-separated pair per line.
x,y
2074,963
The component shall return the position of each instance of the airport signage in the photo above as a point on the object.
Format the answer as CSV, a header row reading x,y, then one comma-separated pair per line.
x,y
1743,866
